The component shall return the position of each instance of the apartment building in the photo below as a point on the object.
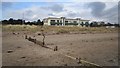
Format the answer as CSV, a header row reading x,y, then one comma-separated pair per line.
x,y
62,21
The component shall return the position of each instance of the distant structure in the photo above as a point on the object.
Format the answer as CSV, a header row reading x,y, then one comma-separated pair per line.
x,y
62,21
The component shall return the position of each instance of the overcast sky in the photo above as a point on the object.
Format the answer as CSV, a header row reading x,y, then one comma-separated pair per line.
x,y
94,10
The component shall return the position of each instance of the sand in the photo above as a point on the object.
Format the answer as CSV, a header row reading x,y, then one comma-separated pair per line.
x,y
98,48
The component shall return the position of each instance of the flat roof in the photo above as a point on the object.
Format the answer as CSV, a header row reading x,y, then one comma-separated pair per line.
x,y
66,18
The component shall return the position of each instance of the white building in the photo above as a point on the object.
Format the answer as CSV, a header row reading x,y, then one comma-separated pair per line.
x,y
64,21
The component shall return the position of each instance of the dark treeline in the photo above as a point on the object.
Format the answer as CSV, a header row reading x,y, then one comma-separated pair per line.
x,y
21,22
100,24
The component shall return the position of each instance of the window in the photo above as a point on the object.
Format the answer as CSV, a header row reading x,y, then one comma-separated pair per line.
x,y
66,21
74,22
58,21
52,20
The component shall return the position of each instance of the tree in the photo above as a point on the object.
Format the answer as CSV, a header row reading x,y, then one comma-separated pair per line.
x,y
38,22
82,24
94,24
10,21
4,22
91,24
116,25
27,23
102,23
86,24
109,24
42,23
19,21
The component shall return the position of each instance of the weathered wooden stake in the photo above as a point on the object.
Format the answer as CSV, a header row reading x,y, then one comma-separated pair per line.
x,y
56,48
78,60
43,41
25,36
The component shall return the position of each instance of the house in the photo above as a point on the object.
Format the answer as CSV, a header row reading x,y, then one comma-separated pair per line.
x,y
62,21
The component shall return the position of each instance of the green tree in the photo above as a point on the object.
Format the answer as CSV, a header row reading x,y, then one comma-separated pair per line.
x,y
38,22
82,24
102,23
86,24
11,21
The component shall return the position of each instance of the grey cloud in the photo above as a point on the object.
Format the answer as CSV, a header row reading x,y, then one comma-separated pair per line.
x,y
119,12
111,14
98,10
51,14
72,14
57,8
54,7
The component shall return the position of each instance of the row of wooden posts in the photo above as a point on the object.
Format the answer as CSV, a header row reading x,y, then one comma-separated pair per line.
x,y
79,60
40,43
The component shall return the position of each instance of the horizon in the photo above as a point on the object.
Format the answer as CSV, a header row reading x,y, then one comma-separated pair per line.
x,y
58,17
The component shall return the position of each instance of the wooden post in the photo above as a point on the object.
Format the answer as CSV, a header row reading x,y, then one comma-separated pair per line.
x,y
29,38
43,39
56,48
78,60
25,36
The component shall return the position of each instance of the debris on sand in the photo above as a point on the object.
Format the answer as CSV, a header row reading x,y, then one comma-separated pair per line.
x,y
50,44
23,57
65,65
32,40
56,61
111,39
26,60
24,33
72,51
86,41
83,33
71,43
39,33
112,60
85,58
9,51
33,36
30,45
18,47
15,33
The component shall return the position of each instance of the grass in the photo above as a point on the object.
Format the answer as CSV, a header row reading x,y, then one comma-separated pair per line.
x,y
60,29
